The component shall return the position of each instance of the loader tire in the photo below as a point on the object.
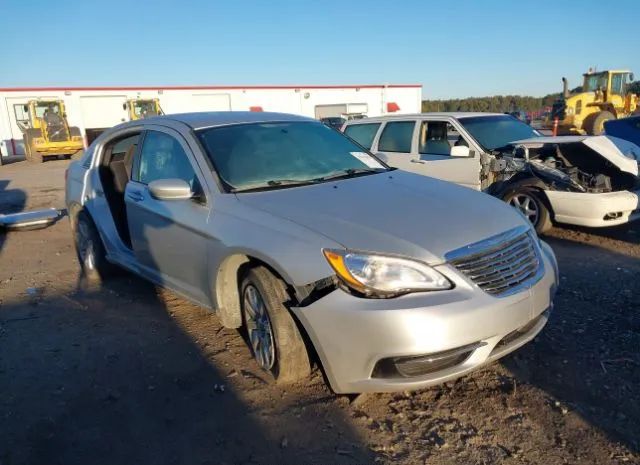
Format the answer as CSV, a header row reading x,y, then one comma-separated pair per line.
x,y
594,123
26,140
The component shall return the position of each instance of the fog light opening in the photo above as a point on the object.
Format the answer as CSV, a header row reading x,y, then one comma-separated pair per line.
x,y
420,365
612,216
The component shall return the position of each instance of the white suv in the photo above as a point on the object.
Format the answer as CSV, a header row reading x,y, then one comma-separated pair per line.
x,y
580,180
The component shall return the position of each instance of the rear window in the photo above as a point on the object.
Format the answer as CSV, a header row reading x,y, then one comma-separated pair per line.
x,y
396,137
363,134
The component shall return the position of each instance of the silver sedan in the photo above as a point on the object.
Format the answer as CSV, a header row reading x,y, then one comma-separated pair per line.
x,y
290,230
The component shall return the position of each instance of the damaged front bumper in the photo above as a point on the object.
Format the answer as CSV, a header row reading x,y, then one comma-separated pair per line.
x,y
595,210
357,339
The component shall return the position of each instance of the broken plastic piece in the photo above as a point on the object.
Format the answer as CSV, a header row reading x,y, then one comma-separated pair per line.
x,y
30,220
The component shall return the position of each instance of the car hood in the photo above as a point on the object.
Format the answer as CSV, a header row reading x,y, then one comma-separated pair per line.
x,y
393,213
623,154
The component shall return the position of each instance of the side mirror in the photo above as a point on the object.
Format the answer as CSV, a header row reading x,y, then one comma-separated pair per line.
x,y
631,77
460,151
25,108
170,189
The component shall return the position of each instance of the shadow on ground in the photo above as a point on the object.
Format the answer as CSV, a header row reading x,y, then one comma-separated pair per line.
x,y
11,201
587,356
107,376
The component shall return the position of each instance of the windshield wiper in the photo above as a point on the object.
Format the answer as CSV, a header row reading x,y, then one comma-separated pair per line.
x,y
277,183
350,173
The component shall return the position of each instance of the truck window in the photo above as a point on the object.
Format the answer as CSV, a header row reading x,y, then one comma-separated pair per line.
x,y
363,134
617,83
396,137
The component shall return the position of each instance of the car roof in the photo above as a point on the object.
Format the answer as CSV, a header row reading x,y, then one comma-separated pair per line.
x,y
443,114
209,119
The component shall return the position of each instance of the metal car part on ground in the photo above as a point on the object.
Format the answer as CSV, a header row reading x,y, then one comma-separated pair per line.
x,y
28,220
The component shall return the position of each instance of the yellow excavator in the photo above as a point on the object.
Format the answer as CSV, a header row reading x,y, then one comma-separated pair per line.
x,y
604,96
46,132
142,108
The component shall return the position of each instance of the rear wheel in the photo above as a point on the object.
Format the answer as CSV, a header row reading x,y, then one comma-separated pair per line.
x,y
530,203
90,250
275,340
594,123
35,156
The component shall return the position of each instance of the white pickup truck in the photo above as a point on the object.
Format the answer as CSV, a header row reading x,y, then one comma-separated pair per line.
x,y
580,180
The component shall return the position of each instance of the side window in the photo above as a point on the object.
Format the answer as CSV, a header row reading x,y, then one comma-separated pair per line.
x,y
396,137
617,81
162,157
437,138
363,134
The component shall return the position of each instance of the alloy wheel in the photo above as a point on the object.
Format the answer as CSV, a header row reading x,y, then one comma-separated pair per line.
x,y
86,248
259,327
527,205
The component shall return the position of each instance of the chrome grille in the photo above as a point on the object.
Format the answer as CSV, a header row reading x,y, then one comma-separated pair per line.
x,y
501,265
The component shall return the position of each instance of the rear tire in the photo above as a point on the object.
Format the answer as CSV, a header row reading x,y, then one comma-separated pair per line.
x,y
31,154
90,250
35,156
594,123
275,340
530,203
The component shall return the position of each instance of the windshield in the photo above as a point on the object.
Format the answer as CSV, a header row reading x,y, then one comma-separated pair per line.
x,y
47,108
495,132
274,155
143,108
593,82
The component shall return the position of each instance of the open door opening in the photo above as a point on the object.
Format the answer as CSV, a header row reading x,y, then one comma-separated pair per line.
x,y
115,173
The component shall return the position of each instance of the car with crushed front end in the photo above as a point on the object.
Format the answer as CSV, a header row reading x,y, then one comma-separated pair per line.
x,y
579,180
313,247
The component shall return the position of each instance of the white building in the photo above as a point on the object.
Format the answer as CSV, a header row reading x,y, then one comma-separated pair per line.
x,y
94,109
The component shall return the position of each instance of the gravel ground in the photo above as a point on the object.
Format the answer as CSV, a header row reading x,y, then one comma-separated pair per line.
x,y
125,373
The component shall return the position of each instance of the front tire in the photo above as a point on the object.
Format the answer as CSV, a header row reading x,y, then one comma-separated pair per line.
x,y
530,203
275,340
90,250
594,123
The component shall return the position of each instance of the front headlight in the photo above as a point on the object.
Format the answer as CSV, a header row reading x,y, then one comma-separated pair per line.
x,y
383,275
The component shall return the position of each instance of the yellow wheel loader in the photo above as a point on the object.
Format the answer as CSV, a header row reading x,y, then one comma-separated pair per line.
x,y
604,96
46,132
142,108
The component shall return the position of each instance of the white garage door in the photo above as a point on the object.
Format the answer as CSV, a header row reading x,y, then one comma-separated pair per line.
x,y
101,112
210,102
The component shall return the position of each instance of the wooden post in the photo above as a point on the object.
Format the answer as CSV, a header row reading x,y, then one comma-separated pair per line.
x,y
555,127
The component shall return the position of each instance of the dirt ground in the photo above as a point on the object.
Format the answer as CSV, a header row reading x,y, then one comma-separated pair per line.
x,y
125,374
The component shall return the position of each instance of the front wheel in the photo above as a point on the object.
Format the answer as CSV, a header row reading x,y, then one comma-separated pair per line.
x,y
275,340
594,123
529,202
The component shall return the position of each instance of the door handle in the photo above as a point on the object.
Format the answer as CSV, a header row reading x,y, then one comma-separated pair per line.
x,y
422,162
135,196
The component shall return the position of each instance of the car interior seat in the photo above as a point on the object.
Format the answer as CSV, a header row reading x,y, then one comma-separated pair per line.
x,y
435,139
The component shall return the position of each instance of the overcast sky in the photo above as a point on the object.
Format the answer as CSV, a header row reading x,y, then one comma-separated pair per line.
x,y
454,48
